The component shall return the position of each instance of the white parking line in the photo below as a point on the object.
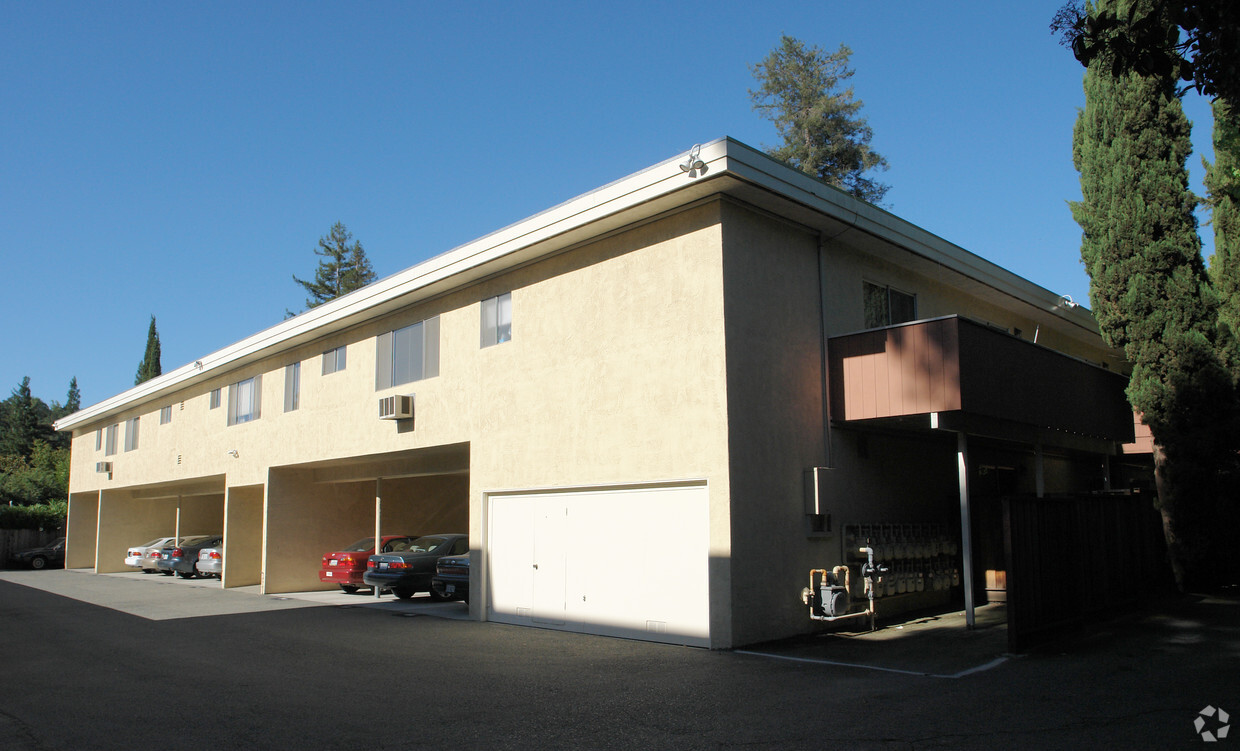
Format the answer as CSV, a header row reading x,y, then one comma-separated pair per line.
x,y
970,671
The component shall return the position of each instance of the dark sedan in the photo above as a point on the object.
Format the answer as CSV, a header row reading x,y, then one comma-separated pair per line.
x,y
52,554
411,570
181,559
451,580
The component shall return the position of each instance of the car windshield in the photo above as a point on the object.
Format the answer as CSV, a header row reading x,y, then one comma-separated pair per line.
x,y
195,540
153,543
361,546
424,544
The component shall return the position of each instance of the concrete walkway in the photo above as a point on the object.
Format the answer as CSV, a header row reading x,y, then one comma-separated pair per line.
x,y
156,597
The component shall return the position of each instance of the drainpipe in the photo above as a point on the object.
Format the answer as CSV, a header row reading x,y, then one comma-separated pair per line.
x,y
826,359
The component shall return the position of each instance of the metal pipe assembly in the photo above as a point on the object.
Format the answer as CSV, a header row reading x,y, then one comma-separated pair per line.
x,y
829,595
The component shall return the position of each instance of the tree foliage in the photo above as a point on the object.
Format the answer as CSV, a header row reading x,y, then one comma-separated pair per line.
x,y
1197,42
149,367
1150,292
34,458
343,268
1223,187
800,90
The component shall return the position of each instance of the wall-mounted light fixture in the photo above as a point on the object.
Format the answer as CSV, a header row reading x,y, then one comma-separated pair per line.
x,y
233,453
694,164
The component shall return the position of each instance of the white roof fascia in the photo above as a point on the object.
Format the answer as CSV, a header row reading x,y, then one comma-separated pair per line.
x,y
752,165
491,253
641,187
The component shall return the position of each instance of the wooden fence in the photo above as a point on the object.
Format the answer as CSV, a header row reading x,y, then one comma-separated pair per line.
x,y
1072,560
16,540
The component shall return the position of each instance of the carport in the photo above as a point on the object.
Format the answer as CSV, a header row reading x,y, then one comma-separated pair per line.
x,y
104,524
322,506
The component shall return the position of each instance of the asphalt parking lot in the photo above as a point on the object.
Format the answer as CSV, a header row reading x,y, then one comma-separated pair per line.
x,y
126,661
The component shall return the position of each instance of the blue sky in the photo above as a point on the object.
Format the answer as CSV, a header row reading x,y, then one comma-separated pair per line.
x,y
183,159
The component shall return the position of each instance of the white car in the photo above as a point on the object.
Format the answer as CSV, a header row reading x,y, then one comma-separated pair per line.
x,y
210,562
144,556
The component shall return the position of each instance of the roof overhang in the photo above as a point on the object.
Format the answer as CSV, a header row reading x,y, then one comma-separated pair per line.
x,y
731,169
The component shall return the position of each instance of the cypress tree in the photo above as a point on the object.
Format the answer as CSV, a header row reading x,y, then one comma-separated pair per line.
x,y
1150,292
1223,186
149,367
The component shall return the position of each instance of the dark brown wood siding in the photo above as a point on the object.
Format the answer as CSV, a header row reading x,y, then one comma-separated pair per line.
x,y
953,364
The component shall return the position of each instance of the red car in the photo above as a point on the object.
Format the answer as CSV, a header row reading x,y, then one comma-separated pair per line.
x,y
345,567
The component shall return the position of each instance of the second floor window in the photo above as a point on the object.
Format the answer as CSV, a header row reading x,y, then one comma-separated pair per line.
x,y
292,386
408,354
497,319
109,440
333,360
131,434
245,400
885,306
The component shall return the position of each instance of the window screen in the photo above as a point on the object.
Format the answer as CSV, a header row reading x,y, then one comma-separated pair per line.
x,y
244,400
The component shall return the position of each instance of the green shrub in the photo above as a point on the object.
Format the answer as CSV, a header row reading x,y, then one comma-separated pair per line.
x,y
46,516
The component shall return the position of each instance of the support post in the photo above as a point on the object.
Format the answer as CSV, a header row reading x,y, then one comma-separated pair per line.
x,y
378,520
1039,478
966,531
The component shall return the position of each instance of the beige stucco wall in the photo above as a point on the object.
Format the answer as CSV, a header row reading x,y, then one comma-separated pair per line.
x,y
243,536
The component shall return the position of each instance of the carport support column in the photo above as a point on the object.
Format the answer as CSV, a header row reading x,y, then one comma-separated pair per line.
x,y
966,526
378,518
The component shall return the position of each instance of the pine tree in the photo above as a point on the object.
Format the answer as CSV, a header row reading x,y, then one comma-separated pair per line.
x,y
149,367
823,134
342,269
1223,184
73,401
1150,292
21,422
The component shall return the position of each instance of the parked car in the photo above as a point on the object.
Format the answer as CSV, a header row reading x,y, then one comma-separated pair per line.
x,y
410,571
451,580
181,559
50,555
345,567
144,556
210,562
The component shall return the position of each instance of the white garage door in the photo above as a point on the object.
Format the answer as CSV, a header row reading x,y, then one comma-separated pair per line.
x,y
631,562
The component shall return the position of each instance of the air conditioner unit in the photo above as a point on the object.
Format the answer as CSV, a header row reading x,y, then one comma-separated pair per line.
x,y
103,467
396,407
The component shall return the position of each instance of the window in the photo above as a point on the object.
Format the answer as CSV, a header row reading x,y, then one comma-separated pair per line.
x,y
131,434
885,306
497,319
165,415
98,439
109,441
292,386
408,354
333,360
244,400
215,398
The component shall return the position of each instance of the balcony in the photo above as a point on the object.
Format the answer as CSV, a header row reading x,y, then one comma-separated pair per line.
x,y
956,374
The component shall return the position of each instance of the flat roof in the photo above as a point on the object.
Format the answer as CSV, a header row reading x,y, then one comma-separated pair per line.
x,y
731,168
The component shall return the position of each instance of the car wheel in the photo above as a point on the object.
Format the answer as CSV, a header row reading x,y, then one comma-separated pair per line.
x,y
38,562
165,573
349,588
185,575
438,597
403,594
